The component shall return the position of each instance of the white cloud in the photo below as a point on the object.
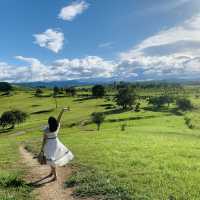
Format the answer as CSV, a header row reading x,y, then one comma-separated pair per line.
x,y
69,12
50,39
172,52
63,69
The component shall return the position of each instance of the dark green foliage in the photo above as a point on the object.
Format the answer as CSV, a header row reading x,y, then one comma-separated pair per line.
x,y
126,97
137,107
184,104
98,118
5,87
70,91
38,92
161,101
98,91
90,183
188,122
56,91
10,118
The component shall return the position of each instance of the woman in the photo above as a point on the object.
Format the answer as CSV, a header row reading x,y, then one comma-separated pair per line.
x,y
55,152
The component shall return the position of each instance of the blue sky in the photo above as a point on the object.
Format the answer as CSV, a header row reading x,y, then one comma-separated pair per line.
x,y
123,39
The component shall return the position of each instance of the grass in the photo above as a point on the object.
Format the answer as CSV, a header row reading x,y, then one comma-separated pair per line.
x,y
156,157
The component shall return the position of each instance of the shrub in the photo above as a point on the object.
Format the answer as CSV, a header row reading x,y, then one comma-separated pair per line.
x,y
184,104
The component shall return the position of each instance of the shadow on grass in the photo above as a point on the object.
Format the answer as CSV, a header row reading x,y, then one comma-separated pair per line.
x,y
84,99
42,111
5,130
130,119
174,111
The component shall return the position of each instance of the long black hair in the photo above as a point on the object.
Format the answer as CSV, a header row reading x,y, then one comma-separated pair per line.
x,y
53,124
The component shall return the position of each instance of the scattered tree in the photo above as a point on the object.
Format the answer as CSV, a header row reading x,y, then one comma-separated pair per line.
x,y
70,91
126,97
160,101
98,118
184,104
98,91
5,87
10,118
55,93
38,92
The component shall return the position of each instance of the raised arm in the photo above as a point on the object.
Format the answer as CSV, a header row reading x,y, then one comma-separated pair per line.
x,y
61,113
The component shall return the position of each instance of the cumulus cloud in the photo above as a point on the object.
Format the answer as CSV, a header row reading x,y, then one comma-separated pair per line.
x,y
173,52
69,12
50,39
62,69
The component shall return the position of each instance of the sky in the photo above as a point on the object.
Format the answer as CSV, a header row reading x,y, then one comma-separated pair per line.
x,y
53,40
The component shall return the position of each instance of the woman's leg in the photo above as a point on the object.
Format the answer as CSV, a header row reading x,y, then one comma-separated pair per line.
x,y
53,172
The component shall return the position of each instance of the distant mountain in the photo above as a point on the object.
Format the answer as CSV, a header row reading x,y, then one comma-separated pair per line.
x,y
84,82
67,83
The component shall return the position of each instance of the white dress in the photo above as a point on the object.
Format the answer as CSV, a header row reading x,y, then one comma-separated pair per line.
x,y
55,152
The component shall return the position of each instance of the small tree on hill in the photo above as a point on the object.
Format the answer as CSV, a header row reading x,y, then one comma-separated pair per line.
x,y
184,104
5,87
55,93
20,116
98,91
126,97
8,119
98,118
38,92
70,91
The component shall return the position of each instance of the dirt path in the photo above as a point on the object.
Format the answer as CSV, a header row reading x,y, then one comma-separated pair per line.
x,y
46,189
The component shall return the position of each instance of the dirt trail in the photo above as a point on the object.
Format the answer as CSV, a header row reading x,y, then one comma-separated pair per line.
x,y
46,189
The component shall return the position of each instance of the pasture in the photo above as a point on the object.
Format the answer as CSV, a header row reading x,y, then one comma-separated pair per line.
x,y
156,157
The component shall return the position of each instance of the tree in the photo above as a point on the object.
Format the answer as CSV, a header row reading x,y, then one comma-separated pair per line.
x,y
161,101
98,91
38,92
8,118
184,104
98,118
55,93
126,97
12,117
20,116
71,91
5,87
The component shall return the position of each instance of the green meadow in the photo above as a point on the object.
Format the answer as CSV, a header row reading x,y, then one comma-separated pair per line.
x,y
156,157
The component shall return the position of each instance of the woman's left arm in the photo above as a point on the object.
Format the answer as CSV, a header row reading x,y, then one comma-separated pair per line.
x,y
61,113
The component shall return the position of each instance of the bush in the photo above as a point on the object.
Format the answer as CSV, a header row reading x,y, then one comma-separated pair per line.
x,y
184,104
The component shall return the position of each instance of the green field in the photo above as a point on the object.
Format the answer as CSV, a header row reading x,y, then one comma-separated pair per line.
x,y
156,157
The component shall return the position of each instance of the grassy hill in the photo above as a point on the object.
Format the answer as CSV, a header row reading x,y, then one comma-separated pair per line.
x,y
156,157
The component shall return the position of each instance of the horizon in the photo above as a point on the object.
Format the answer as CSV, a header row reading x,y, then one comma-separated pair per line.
x,y
86,39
